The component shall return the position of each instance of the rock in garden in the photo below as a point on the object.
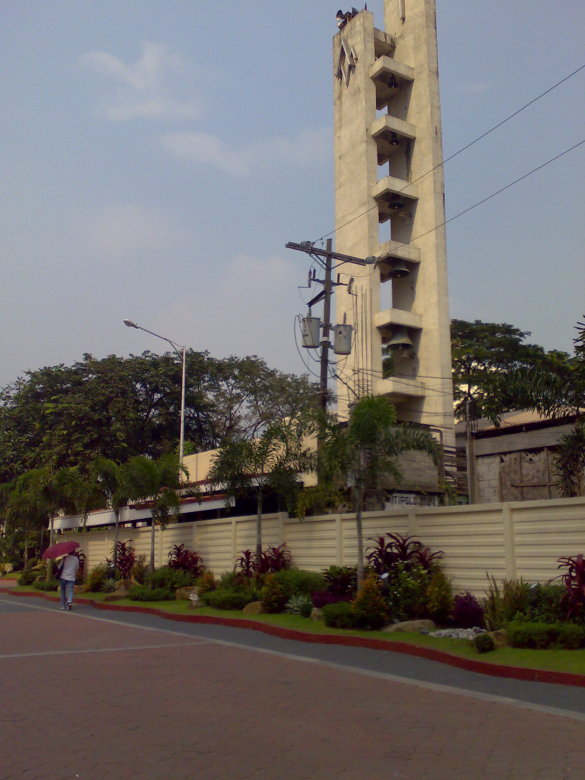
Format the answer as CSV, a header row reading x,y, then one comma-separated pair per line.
x,y
253,608
184,594
411,626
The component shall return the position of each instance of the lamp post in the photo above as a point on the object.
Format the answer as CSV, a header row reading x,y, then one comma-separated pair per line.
x,y
182,353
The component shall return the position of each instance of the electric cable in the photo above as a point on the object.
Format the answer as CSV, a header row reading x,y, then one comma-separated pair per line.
x,y
482,201
464,148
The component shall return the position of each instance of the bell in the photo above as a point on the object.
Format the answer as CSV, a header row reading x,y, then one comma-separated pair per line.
x,y
395,203
394,140
398,269
400,339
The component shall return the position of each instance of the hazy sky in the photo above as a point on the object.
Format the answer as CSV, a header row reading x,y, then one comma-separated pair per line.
x,y
156,156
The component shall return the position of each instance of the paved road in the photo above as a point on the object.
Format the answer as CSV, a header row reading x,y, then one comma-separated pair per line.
x,y
93,694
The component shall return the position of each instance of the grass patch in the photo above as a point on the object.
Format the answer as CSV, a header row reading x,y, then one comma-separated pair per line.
x,y
571,661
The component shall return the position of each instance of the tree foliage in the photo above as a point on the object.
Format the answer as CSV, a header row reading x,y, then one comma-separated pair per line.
x,y
121,407
272,462
485,355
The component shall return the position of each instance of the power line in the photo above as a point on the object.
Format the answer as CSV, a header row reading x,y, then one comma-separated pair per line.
x,y
463,148
488,197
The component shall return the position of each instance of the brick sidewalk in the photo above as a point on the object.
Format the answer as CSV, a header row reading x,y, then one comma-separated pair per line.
x,y
104,700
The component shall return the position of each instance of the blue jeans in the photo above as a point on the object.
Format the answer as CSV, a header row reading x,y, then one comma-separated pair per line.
x,y
66,591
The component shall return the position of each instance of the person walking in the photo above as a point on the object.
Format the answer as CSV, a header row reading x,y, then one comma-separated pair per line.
x,y
67,575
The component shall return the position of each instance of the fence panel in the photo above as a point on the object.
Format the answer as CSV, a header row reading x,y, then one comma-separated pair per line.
x,y
520,539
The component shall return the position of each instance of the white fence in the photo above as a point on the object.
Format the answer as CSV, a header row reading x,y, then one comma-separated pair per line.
x,y
509,540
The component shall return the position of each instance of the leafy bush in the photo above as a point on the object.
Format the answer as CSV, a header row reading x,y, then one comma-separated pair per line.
x,y
180,557
300,581
109,585
467,612
369,608
273,594
568,636
483,643
339,615
439,600
299,604
341,581
407,592
97,577
165,577
545,603
125,559
144,593
321,598
206,583
503,605
139,571
574,582
26,577
42,584
227,599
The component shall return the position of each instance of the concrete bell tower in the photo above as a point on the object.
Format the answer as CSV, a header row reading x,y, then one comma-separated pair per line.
x,y
389,202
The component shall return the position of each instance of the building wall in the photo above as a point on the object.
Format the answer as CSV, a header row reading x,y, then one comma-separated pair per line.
x,y
506,540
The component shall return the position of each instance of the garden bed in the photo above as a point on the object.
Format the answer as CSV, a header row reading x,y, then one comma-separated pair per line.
x,y
556,666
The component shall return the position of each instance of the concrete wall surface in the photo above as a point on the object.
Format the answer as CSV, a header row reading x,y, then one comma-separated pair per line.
x,y
507,540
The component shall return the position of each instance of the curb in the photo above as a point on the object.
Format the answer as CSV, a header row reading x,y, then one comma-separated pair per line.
x,y
467,664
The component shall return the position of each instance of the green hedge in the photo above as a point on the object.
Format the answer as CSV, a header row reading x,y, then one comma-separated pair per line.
x,y
540,636
143,593
226,599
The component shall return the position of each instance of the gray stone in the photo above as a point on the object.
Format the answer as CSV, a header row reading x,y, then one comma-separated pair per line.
x,y
316,614
411,626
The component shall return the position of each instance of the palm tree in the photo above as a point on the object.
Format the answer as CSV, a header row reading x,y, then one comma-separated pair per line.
x,y
364,452
46,492
271,462
112,479
158,482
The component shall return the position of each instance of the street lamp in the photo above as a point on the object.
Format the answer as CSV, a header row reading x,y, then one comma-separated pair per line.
x,y
182,353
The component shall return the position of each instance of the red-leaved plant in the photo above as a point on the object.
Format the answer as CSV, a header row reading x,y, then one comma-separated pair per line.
x,y
125,558
407,550
180,557
273,559
574,581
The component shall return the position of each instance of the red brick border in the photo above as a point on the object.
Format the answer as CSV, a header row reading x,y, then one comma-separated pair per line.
x,y
468,664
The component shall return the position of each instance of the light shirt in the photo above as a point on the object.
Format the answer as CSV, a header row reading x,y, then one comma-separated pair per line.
x,y
70,567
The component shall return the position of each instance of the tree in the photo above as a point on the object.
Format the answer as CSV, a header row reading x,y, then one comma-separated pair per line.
x,y
558,393
363,453
484,354
112,480
120,407
156,482
272,462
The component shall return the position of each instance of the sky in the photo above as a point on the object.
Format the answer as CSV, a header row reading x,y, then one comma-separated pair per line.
x,y
157,156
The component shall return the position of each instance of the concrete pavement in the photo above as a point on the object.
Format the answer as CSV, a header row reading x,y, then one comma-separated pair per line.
x,y
93,694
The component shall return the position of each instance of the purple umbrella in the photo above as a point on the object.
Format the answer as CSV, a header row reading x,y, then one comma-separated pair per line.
x,y
59,549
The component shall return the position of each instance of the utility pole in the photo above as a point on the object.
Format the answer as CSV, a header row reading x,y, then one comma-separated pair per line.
x,y
470,453
327,288
326,257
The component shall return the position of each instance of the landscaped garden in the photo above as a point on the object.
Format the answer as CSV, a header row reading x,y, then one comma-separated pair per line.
x,y
404,597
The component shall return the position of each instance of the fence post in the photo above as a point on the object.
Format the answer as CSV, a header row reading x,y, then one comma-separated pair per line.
x,y
339,540
509,541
